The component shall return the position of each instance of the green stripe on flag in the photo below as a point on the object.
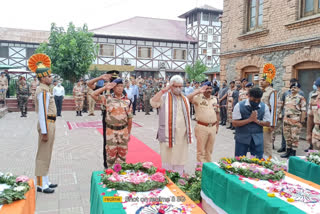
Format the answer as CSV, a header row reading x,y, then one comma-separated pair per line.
x,y
304,169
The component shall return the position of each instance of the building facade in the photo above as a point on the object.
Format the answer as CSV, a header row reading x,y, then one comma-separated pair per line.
x,y
154,47
284,33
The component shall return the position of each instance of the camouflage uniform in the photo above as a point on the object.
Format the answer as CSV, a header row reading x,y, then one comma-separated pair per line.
x,y
243,95
85,98
229,105
314,111
3,88
91,101
23,96
78,97
118,113
140,102
294,105
33,88
147,95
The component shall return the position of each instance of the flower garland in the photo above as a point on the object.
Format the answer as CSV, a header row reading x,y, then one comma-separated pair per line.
x,y
252,168
15,188
139,177
314,157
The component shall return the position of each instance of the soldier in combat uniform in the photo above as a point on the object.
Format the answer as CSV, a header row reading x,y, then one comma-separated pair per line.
x,y
78,98
23,96
3,88
294,116
33,86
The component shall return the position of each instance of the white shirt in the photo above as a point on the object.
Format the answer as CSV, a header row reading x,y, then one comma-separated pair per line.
x,y
58,91
129,92
236,115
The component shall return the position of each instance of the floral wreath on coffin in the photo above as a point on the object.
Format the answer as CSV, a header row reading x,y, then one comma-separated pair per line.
x,y
139,177
252,168
314,157
14,188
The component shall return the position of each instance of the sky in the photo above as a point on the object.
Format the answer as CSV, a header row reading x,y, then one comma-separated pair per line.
x,y
39,14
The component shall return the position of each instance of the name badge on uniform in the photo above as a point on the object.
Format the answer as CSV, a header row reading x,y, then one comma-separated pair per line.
x,y
314,107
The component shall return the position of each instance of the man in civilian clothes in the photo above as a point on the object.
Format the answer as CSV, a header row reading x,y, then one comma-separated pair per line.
x,y
223,93
135,93
58,93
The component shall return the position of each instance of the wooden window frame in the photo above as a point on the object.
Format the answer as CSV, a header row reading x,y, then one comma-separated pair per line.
x,y
256,26
203,37
316,8
208,15
204,51
102,54
7,52
174,57
140,57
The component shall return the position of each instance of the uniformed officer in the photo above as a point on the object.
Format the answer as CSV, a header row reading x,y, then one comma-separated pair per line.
x,y
78,97
207,114
33,86
140,103
91,101
23,96
294,116
46,110
230,103
118,121
270,99
313,127
147,95
243,93
85,96
3,88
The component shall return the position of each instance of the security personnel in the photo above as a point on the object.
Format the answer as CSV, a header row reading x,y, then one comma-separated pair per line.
x,y
313,127
78,97
33,86
294,116
243,92
140,103
207,114
85,96
118,121
91,102
23,96
147,95
230,103
3,87
46,110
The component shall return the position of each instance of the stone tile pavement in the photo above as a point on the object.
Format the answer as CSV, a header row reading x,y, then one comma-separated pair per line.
x,y
77,153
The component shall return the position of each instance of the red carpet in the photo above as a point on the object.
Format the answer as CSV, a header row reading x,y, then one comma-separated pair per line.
x,y
140,152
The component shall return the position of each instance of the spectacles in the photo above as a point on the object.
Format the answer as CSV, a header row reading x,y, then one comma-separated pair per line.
x,y
174,86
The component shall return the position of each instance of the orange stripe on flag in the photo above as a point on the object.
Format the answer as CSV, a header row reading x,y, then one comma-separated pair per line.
x,y
302,180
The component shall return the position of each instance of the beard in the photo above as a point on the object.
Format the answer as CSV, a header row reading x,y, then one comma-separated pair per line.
x,y
176,91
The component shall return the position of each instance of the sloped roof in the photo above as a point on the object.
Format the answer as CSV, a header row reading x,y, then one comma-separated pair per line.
x,y
147,28
204,8
213,70
23,35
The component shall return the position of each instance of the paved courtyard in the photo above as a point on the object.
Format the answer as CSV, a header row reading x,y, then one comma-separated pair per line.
x,y
78,152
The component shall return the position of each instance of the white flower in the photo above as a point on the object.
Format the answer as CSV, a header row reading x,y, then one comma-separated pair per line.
x,y
19,188
1,174
8,175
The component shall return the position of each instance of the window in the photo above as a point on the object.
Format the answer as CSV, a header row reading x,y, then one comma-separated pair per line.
x,y
204,51
4,52
209,44
255,14
214,18
144,52
106,50
205,37
205,16
215,51
208,58
179,54
195,18
190,19
211,31
310,7
30,52
215,38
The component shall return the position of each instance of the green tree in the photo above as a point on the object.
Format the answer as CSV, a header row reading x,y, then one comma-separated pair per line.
x,y
71,51
195,72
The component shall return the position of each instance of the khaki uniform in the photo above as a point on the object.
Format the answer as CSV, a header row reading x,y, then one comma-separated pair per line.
x,y
206,113
23,96
46,109
3,88
243,95
269,98
91,101
118,113
229,105
33,88
85,98
78,97
294,106
314,111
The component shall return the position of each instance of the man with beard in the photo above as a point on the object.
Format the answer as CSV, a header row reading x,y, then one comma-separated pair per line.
x,y
207,114
175,131
249,117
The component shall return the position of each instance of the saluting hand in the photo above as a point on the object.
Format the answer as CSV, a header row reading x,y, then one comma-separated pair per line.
x,y
110,85
166,89
106,77
202,89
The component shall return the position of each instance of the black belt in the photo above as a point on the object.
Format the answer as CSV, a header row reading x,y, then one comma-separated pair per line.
x,y
52,118
291,116
116,127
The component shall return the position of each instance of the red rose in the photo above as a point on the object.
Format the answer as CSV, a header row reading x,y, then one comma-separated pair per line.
x,y
161,211
109,171
161,170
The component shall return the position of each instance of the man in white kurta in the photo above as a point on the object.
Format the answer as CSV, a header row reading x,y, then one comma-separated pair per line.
x,y
174,155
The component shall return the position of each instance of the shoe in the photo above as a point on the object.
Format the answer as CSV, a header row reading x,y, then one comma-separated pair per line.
x,y
287,154
77,113
310,148
221,123
293,152
282,149
224,123
230,127
48,190
80,113
53,186
233,128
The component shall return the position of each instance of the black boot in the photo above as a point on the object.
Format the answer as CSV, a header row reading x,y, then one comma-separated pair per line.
x,y
80,113
282,149
287,154
230,127
310,148
77,113
22,114
25,112
293,152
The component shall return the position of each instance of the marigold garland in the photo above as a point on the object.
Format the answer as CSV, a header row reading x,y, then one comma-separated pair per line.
x,y
36,59
269,72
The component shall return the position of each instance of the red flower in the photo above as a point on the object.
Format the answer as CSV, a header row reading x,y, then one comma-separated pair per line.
x,y
161,170
109,171
117,167
161,211
198,169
